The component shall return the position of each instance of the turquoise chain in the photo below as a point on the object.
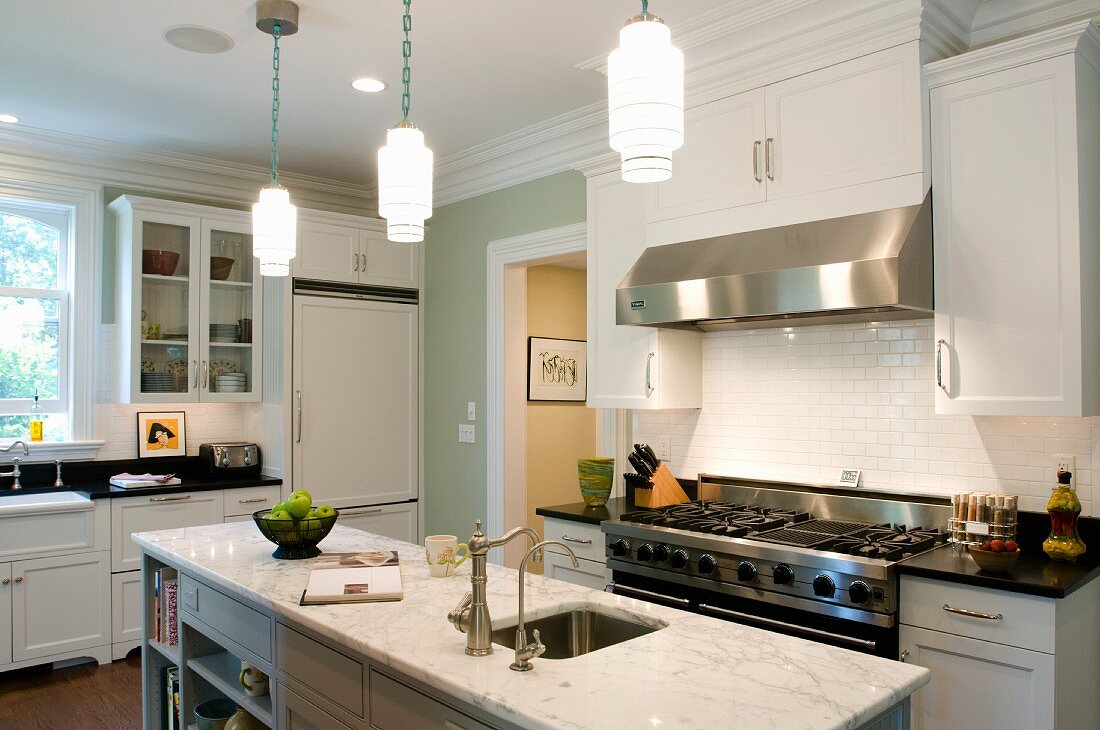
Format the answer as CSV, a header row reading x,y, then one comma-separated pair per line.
x,y
406,52
276,32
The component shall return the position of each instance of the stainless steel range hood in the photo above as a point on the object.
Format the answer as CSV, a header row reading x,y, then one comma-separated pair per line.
x,y
875,266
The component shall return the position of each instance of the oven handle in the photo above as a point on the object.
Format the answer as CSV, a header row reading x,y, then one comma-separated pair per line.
x,y
726,613
629,591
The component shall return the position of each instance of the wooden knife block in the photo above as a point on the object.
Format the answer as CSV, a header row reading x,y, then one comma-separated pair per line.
x,y
666,490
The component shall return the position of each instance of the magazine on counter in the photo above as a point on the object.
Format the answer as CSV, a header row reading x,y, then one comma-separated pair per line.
x,y
372,575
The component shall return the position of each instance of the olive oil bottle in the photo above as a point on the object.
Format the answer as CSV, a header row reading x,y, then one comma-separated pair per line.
x,y
36,418
1064,543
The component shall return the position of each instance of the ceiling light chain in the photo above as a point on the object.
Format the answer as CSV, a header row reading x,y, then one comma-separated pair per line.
x,y
406,54
276,33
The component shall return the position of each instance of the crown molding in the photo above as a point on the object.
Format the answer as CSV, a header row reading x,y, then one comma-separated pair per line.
x,y
997,21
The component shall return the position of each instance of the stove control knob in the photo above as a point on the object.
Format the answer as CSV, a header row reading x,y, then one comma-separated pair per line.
x,y
782,575
746,572
645,553
859,592
824,586
679,559
619,548
707,564
660,553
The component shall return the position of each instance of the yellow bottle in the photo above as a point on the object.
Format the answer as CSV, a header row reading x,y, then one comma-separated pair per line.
x,y
36,419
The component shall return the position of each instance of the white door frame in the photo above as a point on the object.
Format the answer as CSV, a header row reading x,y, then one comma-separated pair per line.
x,y
531,248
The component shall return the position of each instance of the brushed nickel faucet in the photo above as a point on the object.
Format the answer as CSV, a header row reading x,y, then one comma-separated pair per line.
x,y
526,652
15,460
471,615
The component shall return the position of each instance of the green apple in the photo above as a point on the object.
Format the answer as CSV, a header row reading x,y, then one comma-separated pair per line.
x,y
311,515
325,511
279,520
304,493
298,504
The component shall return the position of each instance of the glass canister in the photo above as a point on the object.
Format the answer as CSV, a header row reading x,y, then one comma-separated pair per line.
x,y
1064,508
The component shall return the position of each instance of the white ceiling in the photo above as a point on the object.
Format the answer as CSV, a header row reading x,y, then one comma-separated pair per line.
x,y
481,68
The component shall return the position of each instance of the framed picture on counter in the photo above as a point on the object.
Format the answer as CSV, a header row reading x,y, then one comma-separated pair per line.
x,y
556,370
161,433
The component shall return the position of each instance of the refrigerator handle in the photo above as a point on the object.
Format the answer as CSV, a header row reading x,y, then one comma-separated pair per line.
x,y
299,439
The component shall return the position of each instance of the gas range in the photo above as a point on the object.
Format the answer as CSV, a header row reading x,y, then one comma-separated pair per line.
x,y
764,549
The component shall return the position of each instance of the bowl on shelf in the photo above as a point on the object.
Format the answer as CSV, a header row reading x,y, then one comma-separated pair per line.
x,y
992,562
162,263
220,266
213,714
297,539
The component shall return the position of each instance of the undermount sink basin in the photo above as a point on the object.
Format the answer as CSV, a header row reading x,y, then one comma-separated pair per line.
x,y
572,633
16,503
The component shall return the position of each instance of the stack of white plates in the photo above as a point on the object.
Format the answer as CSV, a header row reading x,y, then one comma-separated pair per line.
x,y
224,333
231,382
158,383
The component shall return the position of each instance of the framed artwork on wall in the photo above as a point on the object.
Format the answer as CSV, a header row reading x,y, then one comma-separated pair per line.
x,y
161,433
556,370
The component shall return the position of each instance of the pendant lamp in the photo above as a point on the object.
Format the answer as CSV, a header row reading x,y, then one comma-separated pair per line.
x,y
405,165
274,219
645,93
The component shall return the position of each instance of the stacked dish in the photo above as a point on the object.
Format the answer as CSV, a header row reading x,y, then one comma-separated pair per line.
x,y
158,383
231,382
224,333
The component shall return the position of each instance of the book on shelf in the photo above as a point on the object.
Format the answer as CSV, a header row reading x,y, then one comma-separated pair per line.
x,y
165,606
372,575
172,698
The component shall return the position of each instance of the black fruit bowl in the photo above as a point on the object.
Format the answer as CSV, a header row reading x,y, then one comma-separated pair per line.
x,y
297,539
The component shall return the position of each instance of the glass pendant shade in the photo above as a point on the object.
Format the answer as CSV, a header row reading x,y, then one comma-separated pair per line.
x,y
645,84
405,183
274,230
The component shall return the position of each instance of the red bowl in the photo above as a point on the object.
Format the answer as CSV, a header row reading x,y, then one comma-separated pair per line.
x,y
162,263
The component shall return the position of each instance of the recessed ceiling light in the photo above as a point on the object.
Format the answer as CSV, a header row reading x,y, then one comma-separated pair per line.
x,y
368,85
197,39
9,119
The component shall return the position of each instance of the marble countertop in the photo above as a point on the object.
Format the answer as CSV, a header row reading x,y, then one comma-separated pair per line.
x,y
697,672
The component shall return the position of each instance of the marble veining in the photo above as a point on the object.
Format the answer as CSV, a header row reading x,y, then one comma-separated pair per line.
x,y
696,672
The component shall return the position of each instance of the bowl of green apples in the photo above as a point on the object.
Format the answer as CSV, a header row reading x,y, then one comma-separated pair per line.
x,y
296,526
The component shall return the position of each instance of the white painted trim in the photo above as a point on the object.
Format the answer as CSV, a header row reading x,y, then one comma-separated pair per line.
x,y
45,451
527,248
996,21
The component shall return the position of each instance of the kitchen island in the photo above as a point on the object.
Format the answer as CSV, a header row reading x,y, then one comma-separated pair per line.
x,y
695,672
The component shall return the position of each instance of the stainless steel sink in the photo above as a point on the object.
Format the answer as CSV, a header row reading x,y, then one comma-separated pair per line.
x,y
573,633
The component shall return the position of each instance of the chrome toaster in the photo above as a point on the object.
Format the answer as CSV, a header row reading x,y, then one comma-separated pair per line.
x,y
231,458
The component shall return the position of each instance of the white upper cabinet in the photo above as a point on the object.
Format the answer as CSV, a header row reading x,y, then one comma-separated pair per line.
x,y
630,366
848,138
334,247
1015,150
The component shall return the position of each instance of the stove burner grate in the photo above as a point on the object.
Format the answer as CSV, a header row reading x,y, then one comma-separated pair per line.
x,y
793,537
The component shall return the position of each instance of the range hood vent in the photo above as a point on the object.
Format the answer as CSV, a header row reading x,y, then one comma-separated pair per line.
x,y
874,266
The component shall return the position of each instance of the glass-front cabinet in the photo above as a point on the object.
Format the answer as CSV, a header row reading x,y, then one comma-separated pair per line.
x,y
189,304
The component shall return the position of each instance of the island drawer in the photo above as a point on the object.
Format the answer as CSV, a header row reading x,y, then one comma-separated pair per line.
x,y
245,501
393,706
1024,621
585,540
330,674
234,620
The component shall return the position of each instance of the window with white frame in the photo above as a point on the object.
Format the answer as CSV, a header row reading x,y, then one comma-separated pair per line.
x,y
35,238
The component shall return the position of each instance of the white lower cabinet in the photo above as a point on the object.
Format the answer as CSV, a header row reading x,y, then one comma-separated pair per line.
x,y
162,512
5,614
589,574
125,612
587,543
398,521
1001,660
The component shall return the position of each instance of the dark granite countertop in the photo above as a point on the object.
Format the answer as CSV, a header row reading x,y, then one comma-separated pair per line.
x,y
103,490
581,512
1035,575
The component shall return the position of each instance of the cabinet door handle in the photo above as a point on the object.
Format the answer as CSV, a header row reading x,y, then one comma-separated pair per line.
x,y
299,439
577,540
170,499
904,655
649,374
6,581
195,364
756,161
205,375
254,500
973,614
349,513
768,158
19,579
939,365
356,261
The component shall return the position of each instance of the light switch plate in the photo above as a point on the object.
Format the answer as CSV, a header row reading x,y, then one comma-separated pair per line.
x,y
471,411
466,433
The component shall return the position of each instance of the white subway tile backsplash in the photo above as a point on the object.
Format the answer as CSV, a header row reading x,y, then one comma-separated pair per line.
x,y
116,423
799,404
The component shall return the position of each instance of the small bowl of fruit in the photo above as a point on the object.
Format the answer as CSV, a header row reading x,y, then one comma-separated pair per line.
x,y
296,526
996,556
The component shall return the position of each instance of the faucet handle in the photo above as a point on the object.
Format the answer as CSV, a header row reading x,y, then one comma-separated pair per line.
x,y
537,647
16,459
460,614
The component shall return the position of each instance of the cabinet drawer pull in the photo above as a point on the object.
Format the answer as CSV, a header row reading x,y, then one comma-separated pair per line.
x,y
170,499
577,540
348,513
649,374
973,614
768,158
756,161
253,500
5,582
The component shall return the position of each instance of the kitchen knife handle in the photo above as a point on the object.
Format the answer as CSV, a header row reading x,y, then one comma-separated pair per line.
x,y
768,158
756,161
649,374
939,365
299,439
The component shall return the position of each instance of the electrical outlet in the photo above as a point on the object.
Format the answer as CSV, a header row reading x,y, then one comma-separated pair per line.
x,y
1065,462
466,433
471,411
664,448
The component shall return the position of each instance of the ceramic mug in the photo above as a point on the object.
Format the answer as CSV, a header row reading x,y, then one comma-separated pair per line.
x,y
253,680
442,553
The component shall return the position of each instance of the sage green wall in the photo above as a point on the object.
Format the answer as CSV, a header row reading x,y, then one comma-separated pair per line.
x,y
455,476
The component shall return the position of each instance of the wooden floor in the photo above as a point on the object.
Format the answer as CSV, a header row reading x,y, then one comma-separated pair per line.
x,y
82,697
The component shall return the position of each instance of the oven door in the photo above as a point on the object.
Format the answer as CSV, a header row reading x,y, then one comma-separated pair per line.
x,y
867,638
